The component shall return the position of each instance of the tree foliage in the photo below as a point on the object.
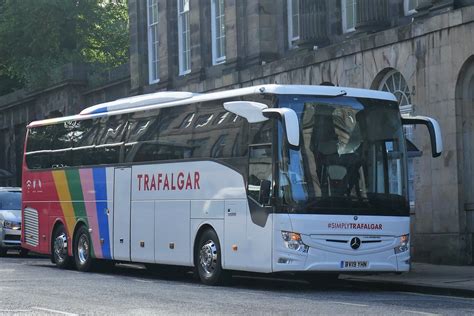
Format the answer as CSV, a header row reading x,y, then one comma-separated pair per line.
x,y
37,36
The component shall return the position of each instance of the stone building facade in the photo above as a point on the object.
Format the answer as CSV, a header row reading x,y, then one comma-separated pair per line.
x,y
422,50
73,90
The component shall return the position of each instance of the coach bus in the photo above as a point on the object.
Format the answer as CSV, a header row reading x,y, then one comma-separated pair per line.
x,y
271,178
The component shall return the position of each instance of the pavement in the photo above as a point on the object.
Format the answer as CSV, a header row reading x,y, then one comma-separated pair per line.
x,y
424,278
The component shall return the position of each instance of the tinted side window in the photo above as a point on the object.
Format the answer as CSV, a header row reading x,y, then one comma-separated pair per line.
x,y
76,143
261,133
83,147
109,139
218,133
50,146
38,148
160,135
260,169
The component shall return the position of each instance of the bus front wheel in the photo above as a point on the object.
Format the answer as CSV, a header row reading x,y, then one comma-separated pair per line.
x,y
82,250
208,259
60,248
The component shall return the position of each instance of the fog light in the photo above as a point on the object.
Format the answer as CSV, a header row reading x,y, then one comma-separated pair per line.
x,y
284,260
293,241
403,244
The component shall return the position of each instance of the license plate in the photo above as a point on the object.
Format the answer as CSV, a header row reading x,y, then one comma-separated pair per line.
x,y
354,264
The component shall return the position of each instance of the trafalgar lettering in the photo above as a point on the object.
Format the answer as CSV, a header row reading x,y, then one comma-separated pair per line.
x,y
355,226
180,181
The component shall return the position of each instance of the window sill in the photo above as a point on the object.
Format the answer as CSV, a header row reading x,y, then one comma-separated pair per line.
x,y
351,30
150,82
184,73
219,61
410,13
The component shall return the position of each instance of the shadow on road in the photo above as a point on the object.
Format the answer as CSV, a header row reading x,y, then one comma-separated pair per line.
x,y
250,281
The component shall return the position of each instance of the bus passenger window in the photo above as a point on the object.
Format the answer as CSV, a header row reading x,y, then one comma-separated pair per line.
x,y
260,173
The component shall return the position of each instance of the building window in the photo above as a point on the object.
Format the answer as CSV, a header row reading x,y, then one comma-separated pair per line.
x,y
153,42
218,31
349,15
410,6
293,9
395,83
184,40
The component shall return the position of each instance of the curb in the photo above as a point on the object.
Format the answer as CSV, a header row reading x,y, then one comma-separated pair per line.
x,y
410,287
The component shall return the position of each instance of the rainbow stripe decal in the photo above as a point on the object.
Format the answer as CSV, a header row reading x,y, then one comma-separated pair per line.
x,y
83,195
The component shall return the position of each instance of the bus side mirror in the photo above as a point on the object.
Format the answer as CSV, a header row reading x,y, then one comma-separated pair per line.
x,y
433,129
264,194
251,111
290,122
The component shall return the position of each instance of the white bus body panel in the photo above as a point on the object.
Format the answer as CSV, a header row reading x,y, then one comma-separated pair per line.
x,y
235,231
121,214
260,248
172,232
329,236
207,209
187,196
142,231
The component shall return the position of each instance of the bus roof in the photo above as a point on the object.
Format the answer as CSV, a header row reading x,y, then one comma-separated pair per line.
x,y
175,98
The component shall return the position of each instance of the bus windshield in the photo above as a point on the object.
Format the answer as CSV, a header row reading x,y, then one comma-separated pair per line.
x,y
351,158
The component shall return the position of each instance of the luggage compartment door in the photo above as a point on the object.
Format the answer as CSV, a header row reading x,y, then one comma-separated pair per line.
x,y
122,195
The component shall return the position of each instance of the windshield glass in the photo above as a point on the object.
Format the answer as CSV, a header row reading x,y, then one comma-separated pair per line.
x,y
351,159
10,200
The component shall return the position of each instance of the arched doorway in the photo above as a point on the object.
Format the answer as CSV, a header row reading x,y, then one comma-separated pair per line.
x,y
391,80
465,139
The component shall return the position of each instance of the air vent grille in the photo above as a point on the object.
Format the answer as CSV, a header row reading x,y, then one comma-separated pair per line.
x,y
30,226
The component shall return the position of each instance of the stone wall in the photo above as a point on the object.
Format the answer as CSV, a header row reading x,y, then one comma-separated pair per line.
x,y
70,93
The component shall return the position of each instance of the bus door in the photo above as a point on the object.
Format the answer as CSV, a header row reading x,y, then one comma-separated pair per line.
x,y
259,220
121,227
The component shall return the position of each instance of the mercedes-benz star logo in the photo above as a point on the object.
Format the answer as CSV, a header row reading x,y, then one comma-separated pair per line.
x,y
355,243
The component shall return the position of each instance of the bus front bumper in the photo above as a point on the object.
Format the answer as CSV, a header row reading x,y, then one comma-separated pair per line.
x,y
341,261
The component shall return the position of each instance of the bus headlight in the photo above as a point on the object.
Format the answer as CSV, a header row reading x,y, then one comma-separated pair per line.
x,y
293,241
404,240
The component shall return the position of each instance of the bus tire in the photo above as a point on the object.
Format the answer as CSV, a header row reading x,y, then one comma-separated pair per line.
x,y
82,250
60,248
3,252
208,259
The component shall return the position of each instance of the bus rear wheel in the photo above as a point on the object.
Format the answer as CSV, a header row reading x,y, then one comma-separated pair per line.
x,y
60,248
208,259
82,250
